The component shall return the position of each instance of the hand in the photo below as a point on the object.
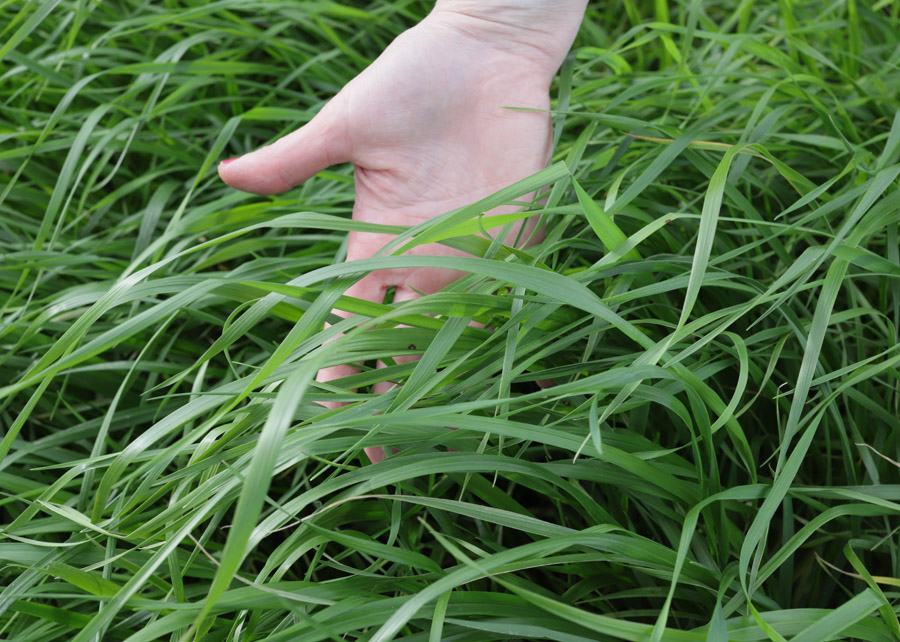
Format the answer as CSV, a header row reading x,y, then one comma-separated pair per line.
x,y
427,132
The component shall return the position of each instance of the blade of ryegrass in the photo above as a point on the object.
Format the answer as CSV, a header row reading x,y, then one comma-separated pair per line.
x,y
888,616
599,623
603,225
706,234
840,619
32,23
256,486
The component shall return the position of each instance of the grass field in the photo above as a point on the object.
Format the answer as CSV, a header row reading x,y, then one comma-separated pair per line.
x,y
717,299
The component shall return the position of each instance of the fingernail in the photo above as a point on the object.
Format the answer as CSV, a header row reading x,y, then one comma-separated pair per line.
x,y
228,160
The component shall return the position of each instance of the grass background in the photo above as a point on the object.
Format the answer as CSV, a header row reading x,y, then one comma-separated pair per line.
x,y
718,300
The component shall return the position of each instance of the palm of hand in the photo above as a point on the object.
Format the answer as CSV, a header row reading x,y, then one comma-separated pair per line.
x,y
427,131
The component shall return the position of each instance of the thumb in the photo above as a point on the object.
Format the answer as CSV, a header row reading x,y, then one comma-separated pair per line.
x,y
289,160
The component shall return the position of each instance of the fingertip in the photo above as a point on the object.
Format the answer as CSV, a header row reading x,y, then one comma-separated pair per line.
x,y
242,174
227,174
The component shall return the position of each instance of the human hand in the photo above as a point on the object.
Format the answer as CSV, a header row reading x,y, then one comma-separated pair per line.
x,y
427,132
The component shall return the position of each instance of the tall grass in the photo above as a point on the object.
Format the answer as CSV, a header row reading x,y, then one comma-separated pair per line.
x,y
717,300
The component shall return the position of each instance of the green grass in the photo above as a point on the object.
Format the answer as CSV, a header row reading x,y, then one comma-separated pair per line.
x,y
718,300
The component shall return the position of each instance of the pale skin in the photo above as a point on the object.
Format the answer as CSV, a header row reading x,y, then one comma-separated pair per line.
x,y
427,130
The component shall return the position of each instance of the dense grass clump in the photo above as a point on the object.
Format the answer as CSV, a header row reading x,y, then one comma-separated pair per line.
x,y
717,300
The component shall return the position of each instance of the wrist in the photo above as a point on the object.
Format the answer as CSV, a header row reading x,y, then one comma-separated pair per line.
x,y
536,30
